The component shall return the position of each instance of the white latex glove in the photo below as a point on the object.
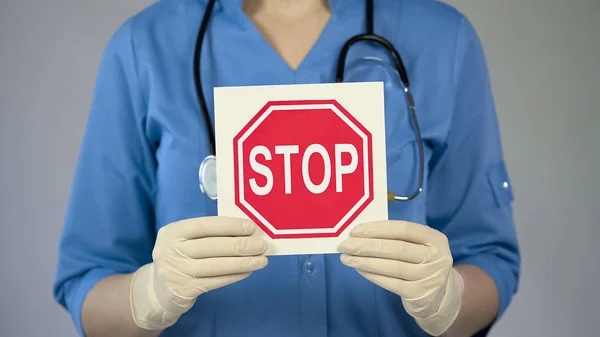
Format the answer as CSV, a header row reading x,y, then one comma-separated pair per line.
x,y
192,257
412,261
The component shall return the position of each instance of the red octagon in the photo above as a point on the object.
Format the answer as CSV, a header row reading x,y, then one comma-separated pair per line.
x,y
303,169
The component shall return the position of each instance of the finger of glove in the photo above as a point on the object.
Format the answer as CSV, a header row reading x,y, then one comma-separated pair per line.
x,y
388,249
421,307
213,226
206,284
397,230
397,286
415,297
221,247
218,266
387,267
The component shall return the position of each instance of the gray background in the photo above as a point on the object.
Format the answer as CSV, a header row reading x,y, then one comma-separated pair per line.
x,y
543,57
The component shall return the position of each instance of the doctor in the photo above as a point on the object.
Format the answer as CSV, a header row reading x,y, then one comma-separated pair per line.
x,y
142,252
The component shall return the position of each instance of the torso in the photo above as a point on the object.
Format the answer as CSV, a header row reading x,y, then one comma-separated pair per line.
x,y
295,296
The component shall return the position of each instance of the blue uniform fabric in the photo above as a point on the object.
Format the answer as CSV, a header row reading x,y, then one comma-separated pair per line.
x,y
145,139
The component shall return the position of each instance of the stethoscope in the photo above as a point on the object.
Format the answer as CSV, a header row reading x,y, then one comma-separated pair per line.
x,y
207,170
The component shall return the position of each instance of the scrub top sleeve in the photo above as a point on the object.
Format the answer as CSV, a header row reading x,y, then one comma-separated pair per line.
x,y
109,225
470,194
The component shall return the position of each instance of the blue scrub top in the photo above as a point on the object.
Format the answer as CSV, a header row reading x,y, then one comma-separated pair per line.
x,y
145,139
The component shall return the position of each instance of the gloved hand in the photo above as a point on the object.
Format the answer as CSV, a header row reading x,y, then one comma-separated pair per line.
x,y
191,257
412,261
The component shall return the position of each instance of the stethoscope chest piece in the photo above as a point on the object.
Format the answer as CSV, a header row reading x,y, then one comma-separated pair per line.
x,y
207,174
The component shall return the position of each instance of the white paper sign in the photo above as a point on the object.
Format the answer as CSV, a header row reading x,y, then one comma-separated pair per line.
x,y
305,162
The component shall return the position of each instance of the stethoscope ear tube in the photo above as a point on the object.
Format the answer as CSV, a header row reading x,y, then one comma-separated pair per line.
x,y
197,75
398,64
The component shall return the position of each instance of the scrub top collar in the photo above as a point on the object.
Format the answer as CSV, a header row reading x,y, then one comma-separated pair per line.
x,y
236,5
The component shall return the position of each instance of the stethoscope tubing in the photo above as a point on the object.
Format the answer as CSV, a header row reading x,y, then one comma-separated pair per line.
x,y
368,36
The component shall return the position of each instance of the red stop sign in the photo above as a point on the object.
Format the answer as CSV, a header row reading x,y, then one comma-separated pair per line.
x,y
303,168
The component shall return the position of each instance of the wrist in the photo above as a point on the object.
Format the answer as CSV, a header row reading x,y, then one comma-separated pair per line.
x,y
147,311
438,322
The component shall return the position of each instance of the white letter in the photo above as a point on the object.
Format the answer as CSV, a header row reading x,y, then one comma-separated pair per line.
x,y
261,169
316,148
344,169
287,151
